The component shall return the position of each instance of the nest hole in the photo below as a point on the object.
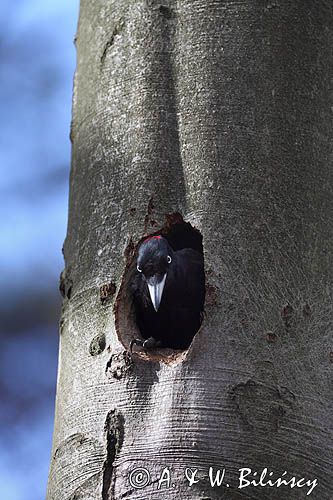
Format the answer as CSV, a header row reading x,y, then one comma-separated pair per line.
x,y
180,235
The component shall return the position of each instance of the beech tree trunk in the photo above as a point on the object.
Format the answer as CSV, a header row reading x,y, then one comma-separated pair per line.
x,y
220,111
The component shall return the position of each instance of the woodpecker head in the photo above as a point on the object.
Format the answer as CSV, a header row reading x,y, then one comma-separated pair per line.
x,y
154,258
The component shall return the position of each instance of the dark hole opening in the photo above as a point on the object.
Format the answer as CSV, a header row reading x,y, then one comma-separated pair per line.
x,y
182,235
179,313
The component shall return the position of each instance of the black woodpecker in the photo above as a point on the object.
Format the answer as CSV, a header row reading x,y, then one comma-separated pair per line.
x,y
168,292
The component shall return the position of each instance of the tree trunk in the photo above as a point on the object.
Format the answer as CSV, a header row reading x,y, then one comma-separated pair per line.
x,y
220,111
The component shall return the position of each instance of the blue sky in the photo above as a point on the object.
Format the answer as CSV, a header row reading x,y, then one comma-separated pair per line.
x,y
26,413
37,62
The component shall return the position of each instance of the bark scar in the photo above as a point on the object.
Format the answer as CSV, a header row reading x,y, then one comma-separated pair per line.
x,y
262,406
149,214
118,365
118,28
97,345
106,292
166,12
65,283
114,436
287,315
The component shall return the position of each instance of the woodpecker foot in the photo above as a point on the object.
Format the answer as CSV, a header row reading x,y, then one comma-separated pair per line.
x,y
149,343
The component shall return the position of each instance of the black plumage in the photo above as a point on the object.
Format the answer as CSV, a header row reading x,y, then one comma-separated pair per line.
x,y
180,306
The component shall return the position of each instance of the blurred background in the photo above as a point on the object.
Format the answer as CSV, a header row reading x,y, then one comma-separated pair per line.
x,y
37,63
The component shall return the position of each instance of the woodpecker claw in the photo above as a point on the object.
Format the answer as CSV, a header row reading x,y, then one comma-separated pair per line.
x,y
135,342
149,343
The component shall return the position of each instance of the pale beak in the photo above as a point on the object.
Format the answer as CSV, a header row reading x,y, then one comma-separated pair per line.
x,y
155,288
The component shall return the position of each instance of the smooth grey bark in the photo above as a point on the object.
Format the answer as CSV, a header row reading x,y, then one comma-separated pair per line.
x,y
221,111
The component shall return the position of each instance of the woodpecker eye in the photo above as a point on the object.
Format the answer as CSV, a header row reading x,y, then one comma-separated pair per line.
x,y
140,270
169,259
